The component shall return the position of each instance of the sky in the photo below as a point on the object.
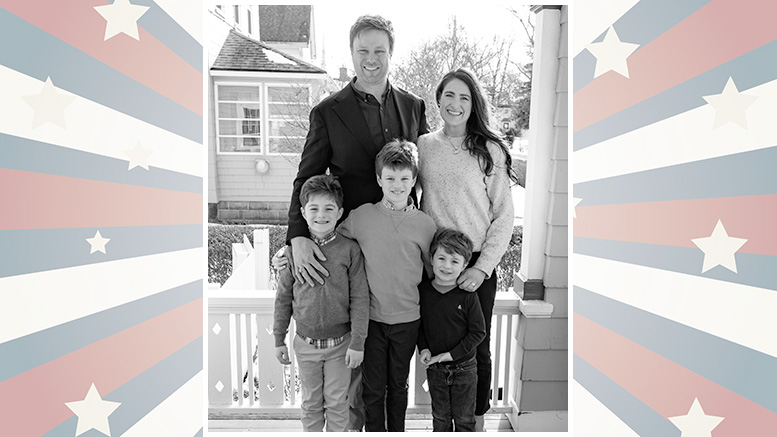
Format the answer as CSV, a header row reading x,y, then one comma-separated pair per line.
x,y
415,23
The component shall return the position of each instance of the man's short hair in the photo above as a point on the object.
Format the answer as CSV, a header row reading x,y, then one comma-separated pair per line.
x,y
321,184
397,154
453,242
367,22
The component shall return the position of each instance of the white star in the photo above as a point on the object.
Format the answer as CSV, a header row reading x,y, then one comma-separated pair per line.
x,y
138,156
611,54
696,423
49,105
98,243
719,249
730,105
576,201
93,412
121,17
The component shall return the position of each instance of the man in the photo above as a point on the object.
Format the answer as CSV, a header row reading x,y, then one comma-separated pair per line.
x,y
347,130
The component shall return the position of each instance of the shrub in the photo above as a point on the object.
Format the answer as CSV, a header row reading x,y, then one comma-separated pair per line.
x,y
220,239
511,261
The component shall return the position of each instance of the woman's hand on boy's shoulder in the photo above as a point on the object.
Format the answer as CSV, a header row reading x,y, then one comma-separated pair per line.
x,y
471,279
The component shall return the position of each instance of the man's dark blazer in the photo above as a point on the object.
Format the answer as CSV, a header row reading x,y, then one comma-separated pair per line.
x,y
339,140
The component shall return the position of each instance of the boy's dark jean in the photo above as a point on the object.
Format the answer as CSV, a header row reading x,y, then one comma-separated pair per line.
x,y
453,388
387,353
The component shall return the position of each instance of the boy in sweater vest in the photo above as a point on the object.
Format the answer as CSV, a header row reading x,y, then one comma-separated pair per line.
x,y
331,317
394,236
452,326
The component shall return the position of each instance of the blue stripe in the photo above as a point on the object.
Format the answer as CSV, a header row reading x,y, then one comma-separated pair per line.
x,y
644,22
719,360
754,270
199,433
74,71
633,412
165,29
41,347
37,250
749,70
23,154
142,394
743,174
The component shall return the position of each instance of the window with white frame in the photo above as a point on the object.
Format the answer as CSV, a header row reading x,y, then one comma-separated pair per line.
x,y
287,112
270,119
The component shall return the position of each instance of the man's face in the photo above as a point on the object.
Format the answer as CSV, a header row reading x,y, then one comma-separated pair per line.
x,y
371,57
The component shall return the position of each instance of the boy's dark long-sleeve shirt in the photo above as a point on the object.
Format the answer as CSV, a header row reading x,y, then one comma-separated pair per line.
x,y
450,322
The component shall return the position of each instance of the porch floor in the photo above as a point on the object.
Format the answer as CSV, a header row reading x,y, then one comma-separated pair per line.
x,y
415,422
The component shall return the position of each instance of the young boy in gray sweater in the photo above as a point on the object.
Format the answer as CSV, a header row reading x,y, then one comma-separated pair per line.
x,y
331,318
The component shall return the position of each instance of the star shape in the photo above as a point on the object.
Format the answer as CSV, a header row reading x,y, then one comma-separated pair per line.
x,y
49,105
121,17
138,156
730,105
696,423
93,412
611,54
719,249
576,201
98,243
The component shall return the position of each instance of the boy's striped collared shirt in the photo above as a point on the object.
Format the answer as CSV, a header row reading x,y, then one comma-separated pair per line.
x,y
410,205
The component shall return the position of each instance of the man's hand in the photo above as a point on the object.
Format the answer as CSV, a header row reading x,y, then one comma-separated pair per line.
x,y
353,358
306,255
282,354
471,279
279,260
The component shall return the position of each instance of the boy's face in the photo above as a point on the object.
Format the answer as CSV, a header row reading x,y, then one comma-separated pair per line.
x,y
321,213
396,185
447,266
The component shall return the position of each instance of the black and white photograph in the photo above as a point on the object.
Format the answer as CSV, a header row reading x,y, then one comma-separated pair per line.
x,y
387,217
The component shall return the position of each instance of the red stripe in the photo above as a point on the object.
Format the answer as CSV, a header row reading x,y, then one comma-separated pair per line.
x,y
39,395
677,222
713,35
147,61
43,201
663,385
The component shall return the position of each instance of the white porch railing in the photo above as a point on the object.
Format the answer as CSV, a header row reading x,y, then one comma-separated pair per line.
x,y
244,376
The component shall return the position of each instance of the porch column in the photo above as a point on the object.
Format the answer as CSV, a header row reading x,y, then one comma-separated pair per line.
x,y
540,358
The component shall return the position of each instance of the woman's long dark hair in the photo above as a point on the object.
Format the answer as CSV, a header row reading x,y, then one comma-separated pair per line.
x,y
479,131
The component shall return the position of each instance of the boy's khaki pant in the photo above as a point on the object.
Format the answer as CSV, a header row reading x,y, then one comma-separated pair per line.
x,y
324,379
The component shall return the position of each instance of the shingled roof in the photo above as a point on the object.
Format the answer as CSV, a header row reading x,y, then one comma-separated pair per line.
x,y
284,23
242,53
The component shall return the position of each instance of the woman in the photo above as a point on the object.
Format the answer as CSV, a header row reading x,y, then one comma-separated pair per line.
x,y
465,172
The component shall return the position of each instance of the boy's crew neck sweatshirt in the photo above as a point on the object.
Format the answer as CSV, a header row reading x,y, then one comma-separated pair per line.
x,y
395,245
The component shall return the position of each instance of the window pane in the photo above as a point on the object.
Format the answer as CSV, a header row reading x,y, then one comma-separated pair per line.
x,y
293,112
288,129
286,145
227,144
250,128
228,127
239,93
288,94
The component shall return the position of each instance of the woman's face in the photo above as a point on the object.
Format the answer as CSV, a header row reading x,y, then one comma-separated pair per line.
x,y
455,104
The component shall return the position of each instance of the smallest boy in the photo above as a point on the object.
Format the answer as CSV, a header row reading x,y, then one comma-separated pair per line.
x,y
452,326
331,317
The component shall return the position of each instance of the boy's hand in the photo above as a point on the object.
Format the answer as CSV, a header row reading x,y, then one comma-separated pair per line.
x,y
279,260
353,358
306,254
425,356
471,279
282,354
